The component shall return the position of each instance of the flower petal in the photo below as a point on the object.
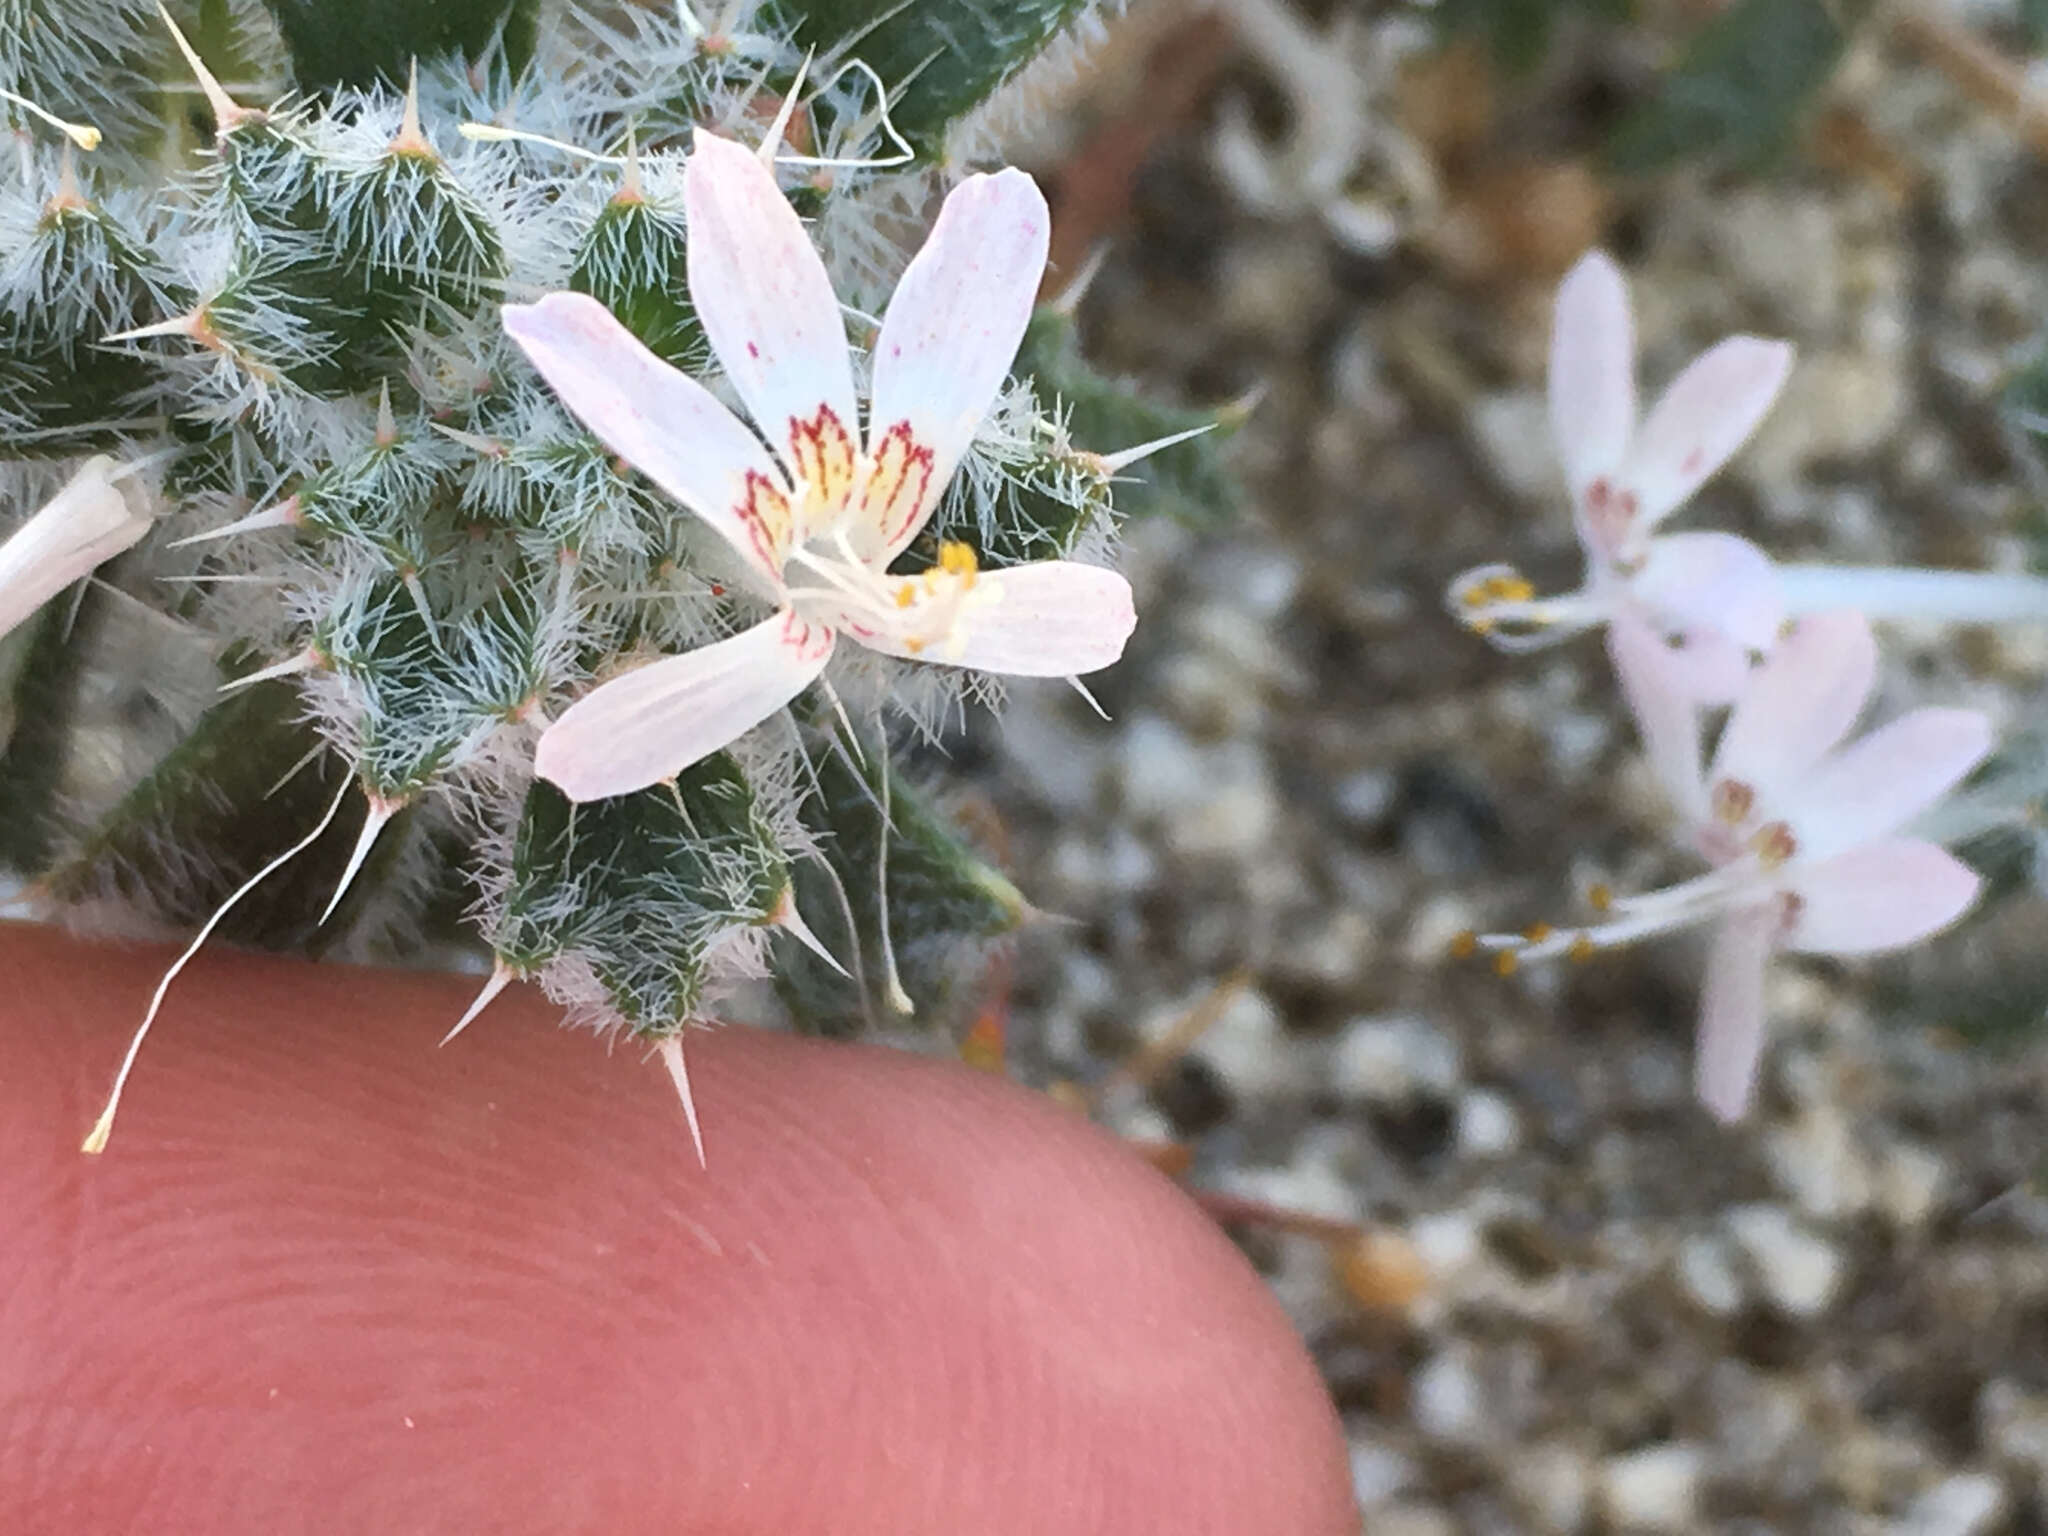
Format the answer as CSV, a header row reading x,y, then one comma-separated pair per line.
x,y
1592,372
1706,414
1052,618
1708,667
1731,1037
948,339
662,422
1711,582
1799,705
1880,896
657,720
1664,708
1883,780
765,300
88,522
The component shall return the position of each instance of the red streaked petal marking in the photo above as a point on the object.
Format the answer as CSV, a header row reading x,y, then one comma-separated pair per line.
x,y
897,482
822,457
765,514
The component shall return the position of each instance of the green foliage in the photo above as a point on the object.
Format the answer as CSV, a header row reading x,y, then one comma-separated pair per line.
x,y
365,40
358,480
2033,18
1519,31
632,262
79,274
640,888
1188,479
938,61
944,901
245,784
43,662
1739,91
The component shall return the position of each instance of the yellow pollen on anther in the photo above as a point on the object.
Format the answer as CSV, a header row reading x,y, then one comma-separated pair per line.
x,y
1733,801
913,645
1582,950
1601,897
906,595
1774,845
1536,933
1510,589
1465,945
1506,963
957,559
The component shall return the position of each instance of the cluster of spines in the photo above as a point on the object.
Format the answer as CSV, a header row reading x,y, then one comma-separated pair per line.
x,y
415,553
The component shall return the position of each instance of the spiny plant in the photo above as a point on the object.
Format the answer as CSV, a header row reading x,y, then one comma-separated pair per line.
x,y
254,264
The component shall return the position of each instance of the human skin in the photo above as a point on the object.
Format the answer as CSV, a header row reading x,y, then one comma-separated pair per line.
x,y
330,1278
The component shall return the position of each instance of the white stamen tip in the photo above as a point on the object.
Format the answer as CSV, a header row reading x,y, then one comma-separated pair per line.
x,y
84,135
381,812
679,1074
501,977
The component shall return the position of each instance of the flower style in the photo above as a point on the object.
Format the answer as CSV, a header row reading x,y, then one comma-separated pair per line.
x,y
87,523
815,516
1803,833
1713,593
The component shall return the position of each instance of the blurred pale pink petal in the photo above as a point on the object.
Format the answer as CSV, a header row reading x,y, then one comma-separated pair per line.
x,y
1052,618
1879,897
1664,710
1800,702
657,720
1711,581
1592,372
662,422
1708,667
87,523
1707,413
766,302
1731,1033
1883,780
949,337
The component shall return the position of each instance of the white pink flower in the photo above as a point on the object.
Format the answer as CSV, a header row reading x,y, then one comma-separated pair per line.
x,y
90,521
1713,594
1804,833
819,512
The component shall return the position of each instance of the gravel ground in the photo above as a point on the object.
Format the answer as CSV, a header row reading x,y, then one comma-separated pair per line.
x,y
1578,1304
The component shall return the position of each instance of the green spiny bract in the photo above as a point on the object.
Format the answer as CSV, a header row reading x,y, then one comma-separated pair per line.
x,y
360,486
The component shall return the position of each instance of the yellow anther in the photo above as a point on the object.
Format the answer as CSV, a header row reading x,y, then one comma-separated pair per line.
x,y
1510,589
913,645
957,559
1601,896
1774,845
1480,626
1733,801
1506,963
1582,950
906,594
1465,945
1536,933
1478,596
